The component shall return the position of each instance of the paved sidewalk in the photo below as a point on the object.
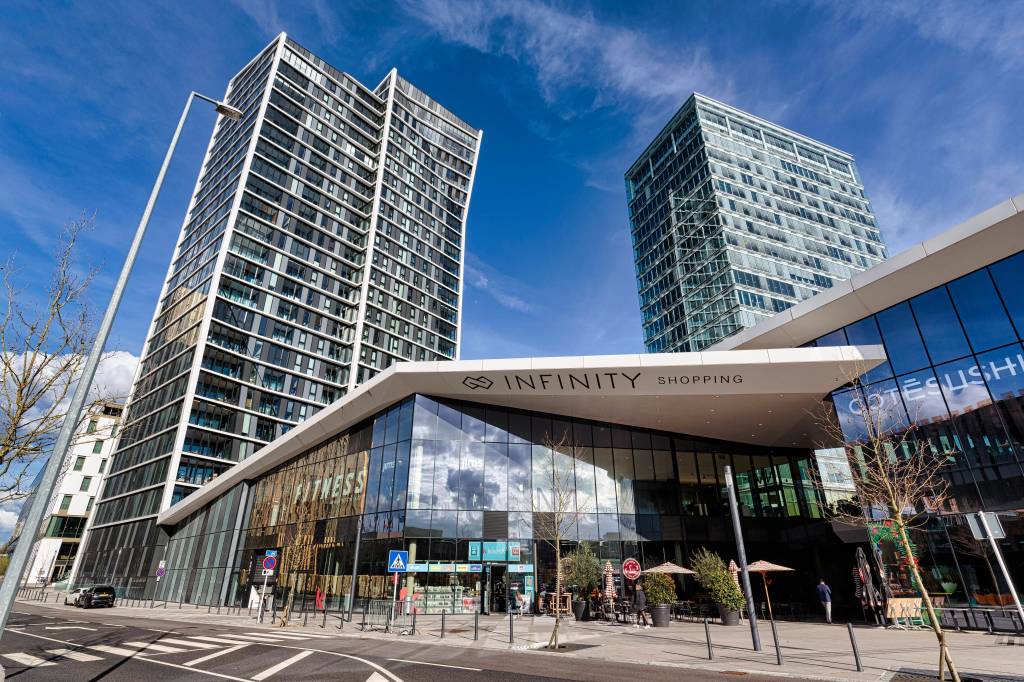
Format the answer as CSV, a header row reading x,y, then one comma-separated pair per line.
x,y
810,650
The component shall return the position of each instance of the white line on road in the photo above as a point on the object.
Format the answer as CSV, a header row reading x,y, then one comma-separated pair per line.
x,y
215,654
74,655
186,642
209,673
304,635
68,627
28,660
282,665
117,651
220,640
152,646
436,665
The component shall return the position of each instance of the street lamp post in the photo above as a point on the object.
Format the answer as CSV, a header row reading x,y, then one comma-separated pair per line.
x,y
44,491
742,552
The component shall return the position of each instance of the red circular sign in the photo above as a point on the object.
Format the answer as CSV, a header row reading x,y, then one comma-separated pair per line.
x,y
269,562
631,569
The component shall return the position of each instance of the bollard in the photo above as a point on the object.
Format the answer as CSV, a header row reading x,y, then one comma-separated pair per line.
x,y
414,623
707,634
363,626
209,606
442,623
856,651
273,609
476,626
305,617
511,629
324,624
778,649
989,623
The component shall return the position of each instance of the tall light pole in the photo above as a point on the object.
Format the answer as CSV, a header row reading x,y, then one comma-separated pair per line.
x,y
44,491
742,552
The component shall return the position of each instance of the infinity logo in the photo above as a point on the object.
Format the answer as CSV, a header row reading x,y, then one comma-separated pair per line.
x,y
477,382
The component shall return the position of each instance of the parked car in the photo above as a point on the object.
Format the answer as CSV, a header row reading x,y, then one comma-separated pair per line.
x,y
71,598
97,595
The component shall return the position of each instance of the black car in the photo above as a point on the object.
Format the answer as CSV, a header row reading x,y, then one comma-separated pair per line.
x,y
97,595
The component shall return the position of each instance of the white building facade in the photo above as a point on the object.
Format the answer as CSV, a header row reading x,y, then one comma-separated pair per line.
x,y
55,552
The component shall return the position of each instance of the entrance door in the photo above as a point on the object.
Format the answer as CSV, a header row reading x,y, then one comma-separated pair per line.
x,y
497,589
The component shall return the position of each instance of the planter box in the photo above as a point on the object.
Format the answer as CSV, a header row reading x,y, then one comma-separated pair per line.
x,y
660,615
728,616
581,609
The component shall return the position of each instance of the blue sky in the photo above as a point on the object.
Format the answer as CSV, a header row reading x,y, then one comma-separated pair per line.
x,y
926,96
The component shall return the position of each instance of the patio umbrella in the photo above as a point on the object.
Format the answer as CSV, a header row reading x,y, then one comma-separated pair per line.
x,y
609,581
734,571
669,567
764,567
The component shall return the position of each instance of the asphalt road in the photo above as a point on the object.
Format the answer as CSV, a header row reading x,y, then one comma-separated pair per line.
x,y
55,645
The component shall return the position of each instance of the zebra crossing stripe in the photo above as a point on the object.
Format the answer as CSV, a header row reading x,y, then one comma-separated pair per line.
x,y
295,635
117,651
187,642
27,660
220,640
74,655
159,648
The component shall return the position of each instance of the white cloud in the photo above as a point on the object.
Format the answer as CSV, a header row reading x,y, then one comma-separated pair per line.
x,y
499,287
8,519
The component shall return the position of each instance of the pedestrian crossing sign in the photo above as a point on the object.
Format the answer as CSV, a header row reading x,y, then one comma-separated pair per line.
x,y
398,560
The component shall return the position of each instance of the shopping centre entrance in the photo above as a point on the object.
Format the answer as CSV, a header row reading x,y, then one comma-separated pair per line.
x,y
496,590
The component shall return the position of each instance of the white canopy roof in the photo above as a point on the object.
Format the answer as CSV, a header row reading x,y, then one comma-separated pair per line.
x,y
755,396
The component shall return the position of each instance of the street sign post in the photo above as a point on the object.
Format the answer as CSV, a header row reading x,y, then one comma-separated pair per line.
x,y
161,570
269,564
398,562
986,526
631,568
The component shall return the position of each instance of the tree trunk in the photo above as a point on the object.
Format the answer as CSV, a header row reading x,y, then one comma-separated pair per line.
x,y
553,642
923,591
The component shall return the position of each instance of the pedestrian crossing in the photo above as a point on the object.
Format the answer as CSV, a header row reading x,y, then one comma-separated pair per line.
x,y
222,644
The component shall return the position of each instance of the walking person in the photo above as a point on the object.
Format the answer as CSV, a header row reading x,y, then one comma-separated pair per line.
x,y
825,596
640,606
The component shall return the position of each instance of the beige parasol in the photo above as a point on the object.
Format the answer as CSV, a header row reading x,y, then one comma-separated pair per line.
x,y
764,567
609,582
669,567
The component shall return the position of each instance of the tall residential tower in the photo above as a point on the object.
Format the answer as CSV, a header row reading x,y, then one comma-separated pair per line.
x,y
323,243
734,219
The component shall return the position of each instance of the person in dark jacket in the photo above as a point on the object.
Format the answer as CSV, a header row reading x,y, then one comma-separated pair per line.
x,y
825,596
640,606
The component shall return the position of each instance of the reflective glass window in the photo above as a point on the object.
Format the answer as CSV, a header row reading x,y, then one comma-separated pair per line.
x,y
373,480
446,474
608,527
689,486
1003,369
520,490
981,311
496,429
865,333
962,385
401,475
424,422
444,524
903,344
471,476
1009,277
942,332
495,477
543,479
473,422
471,524
836,338
449,422
604,471
387,478
586,484
587,528
922,397
624,477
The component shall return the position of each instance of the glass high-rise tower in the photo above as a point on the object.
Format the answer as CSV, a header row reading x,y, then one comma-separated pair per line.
x,y
324,242
734,219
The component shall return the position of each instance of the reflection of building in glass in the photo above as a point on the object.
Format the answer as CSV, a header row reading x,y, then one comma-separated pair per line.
x,y
324,243
834,475
735,219
951,320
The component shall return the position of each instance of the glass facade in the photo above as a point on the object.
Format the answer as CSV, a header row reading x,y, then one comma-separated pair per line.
x,y
956,371
734,219
324,243
464,488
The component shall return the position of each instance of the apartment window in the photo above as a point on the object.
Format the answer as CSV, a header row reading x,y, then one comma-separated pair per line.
x,y
103,465
113,430
97,447
79,463
86,482
92,426
88,506
65,503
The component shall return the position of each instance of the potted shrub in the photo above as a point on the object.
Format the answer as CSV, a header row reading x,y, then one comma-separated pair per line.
x,y
714,577
661,592
582,568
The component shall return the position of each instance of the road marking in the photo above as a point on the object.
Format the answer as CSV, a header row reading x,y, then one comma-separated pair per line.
x,y
436,665
186,642
291,634
208,673
220,640
74,655
151,646
30,661
282,665
271,635
117,651
215,654
68,627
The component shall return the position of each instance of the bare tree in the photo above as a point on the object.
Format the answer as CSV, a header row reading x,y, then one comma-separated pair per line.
x,y
897,476
558,514
45,336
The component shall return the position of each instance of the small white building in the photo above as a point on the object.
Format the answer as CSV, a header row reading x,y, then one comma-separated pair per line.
x,y
75,495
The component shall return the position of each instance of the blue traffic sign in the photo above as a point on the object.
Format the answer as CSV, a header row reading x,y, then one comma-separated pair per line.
x,y
398,561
